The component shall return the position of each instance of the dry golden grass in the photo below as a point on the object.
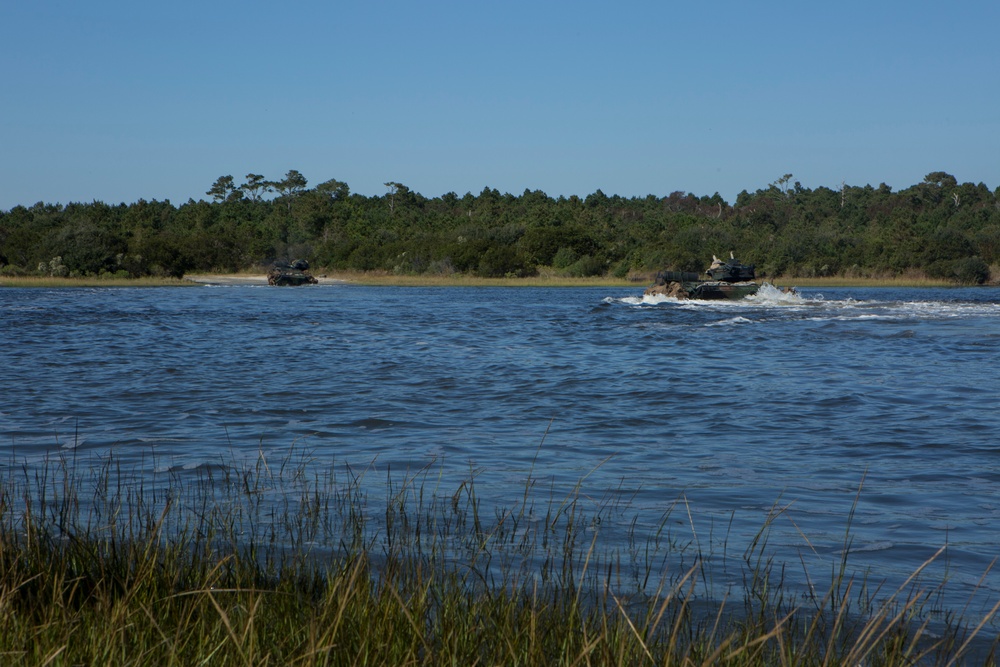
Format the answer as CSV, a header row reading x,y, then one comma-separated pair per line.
x,y
551,278
846,281
44,281
545,278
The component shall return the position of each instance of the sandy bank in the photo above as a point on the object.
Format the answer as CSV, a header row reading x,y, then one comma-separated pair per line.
x,y
221,279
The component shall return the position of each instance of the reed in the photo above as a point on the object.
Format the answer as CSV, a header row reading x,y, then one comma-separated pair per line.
x,y
93,281
545,278
551,278
286,562
874,281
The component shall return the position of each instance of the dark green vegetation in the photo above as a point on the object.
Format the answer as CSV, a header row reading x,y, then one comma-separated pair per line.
x,y
276,562
937,229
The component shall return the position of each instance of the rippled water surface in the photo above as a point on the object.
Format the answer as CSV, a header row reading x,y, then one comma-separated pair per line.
x,y
727,408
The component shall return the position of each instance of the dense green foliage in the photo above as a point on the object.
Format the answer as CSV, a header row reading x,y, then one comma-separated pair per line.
x,y
938,227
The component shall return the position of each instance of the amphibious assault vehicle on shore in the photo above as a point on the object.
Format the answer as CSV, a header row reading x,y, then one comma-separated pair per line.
x,y
285,274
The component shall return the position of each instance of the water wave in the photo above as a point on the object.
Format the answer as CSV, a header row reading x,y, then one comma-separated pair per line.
x,y
730,405
818,307
730,322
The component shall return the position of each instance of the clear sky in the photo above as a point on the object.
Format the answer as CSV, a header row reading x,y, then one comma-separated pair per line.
x,y
122,100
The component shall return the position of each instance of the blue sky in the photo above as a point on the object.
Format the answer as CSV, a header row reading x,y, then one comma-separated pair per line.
x,y
117,101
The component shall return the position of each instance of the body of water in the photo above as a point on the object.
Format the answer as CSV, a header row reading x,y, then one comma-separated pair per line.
x,y
728,410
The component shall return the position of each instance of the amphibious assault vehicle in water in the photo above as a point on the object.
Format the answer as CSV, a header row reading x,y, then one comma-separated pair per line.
x,y
727,280
285,274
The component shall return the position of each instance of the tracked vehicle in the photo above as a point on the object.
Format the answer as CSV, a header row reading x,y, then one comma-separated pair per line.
x,y
285,274
726,280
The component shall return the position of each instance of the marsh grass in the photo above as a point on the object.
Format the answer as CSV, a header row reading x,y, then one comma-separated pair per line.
x,y
873,281
545,278
552,278
96,281
281,562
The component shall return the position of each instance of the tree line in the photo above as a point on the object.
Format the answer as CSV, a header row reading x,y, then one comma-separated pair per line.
x,y
939,228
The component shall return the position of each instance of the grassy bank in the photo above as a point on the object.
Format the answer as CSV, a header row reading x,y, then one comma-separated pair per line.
x,y
545,278
46,281
844,281
553,279
274,563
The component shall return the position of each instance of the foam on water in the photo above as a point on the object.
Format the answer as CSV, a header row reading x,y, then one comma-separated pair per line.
x,y
868,548
769,301
768,294
732,321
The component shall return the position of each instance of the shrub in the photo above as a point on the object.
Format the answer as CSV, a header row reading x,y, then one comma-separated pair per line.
x,y
968,271
586,266
971,271
502,261
564,257
12,271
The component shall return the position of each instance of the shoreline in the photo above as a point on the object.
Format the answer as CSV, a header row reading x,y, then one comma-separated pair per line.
x,y
455,280
245,279
548,280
